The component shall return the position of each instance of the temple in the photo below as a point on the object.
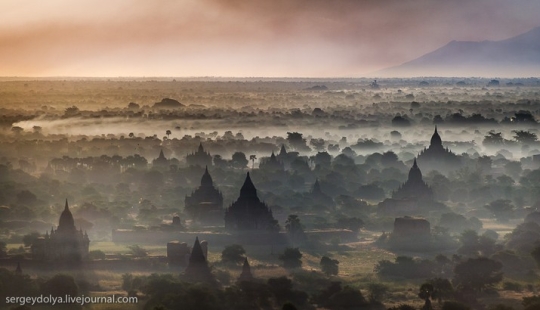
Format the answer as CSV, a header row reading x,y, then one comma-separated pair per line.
x,y
285,158
205,204
200,158
414,187
197,269
246,274
436,157
414,197
66,244
161,161
271,163
319,198
248,212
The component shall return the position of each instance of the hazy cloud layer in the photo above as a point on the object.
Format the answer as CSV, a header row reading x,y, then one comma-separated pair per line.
x,y
242,38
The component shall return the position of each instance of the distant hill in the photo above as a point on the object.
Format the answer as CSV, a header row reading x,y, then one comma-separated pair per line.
x,y
167,103
518,56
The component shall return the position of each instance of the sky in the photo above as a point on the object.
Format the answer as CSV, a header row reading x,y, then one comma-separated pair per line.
x,y
242,38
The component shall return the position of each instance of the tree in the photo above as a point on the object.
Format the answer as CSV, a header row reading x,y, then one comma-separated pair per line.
x,y
348,298
282,288
329,266
138,251
323,158
377,292
477,274
252,158
291,258
502,209
234,254
168,133
318,144
297,142
400,121
60,285
294,228
96,255
239,160
525,137
30,238
493,138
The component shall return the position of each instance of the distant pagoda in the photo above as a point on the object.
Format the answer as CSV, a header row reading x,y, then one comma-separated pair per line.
x,y
437,157
246,274
248,212
414,187
205,204
271,163
200,158
65,244
198,269
161,161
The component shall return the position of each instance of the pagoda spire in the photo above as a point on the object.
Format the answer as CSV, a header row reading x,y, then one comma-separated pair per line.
x,y
246,274
248,190
206,179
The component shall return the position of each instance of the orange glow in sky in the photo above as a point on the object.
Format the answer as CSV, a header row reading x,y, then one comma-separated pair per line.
x,y
278,38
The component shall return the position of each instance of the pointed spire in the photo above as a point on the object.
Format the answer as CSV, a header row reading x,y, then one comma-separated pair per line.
x,y
436,139
201,149
248,189
66,222
161,155
273,156
246,274
19,269
197,254
206,179
316,187
283,151
197,269
415,175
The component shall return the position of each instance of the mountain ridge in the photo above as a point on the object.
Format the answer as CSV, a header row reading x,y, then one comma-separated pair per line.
x,y
512,57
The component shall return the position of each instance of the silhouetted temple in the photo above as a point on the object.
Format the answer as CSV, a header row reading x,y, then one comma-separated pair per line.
x,y
65,244
437,157
199,158
319,197
284,157
271,163
18,270
161,161
414,197
205,205
282,151
246,274
414,187
197,269
248,212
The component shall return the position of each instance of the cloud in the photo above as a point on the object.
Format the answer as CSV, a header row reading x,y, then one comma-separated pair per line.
x,y
257,37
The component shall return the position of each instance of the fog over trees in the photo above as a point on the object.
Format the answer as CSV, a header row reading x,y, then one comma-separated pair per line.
x,y
272,194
